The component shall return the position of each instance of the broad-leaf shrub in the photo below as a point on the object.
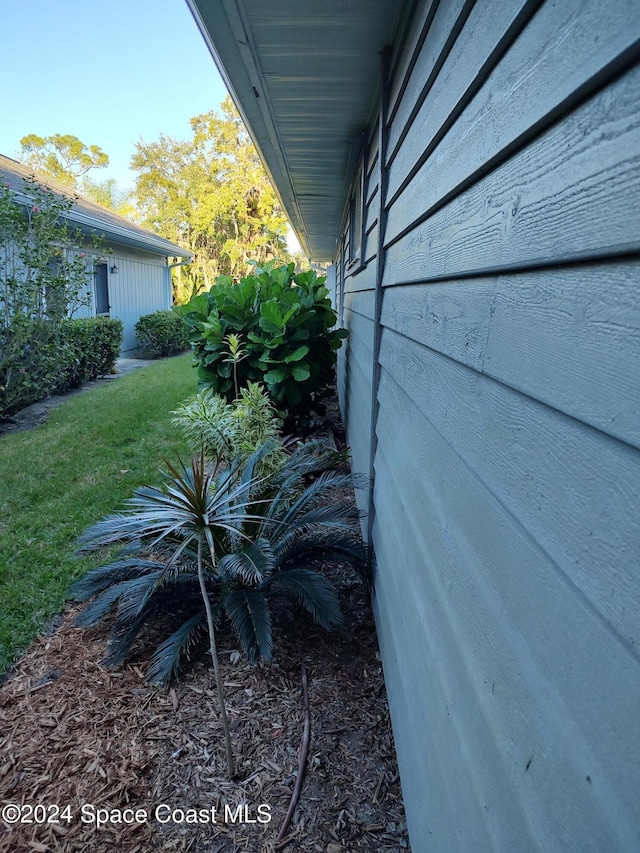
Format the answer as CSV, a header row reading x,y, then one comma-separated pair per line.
x,y
162,333
39,358
286,325
30,360
89,347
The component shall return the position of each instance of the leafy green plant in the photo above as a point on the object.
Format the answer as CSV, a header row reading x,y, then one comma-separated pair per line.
x,y
211,546
40,358
237,353
190,512
288,340
229,432
161,334
45,271
88,348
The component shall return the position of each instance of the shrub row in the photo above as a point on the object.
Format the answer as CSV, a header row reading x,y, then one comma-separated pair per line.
x,y
39,358
162,333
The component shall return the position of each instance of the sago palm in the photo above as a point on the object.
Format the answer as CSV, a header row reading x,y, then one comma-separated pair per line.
x,y
163,531
203,546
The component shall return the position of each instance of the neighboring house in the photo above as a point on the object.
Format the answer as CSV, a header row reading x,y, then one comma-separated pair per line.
x,y
134,278
472,170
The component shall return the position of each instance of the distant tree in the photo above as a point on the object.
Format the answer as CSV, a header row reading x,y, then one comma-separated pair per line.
x,y
212,196
108,194
68,161
61,156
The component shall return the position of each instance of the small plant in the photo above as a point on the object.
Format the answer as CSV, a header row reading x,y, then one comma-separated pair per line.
x,y
288,340
161,334
236,355
211,546
229,432
190,514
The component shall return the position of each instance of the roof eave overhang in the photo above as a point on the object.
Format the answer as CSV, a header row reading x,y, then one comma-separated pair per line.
x,y
124,237
113,233
235,59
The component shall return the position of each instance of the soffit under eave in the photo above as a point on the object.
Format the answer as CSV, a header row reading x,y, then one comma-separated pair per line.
x,y
305,123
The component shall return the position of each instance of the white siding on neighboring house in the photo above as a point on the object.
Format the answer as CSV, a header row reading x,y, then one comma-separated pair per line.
x,y
506,403
141,286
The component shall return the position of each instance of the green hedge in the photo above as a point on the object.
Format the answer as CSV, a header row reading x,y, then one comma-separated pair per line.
x,y
90,348
162,333
39,358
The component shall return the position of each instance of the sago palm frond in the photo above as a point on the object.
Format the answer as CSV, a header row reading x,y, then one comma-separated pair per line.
x,y
250,618
167,658
103,577
108,598
251,565
224,542
315,593
122,636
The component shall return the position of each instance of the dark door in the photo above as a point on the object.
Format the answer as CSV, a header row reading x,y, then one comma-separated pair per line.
x,y
102,289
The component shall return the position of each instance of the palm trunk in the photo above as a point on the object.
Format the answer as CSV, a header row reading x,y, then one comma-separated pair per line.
x,y
216,664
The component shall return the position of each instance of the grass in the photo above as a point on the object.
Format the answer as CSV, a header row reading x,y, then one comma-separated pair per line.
x,y
59,478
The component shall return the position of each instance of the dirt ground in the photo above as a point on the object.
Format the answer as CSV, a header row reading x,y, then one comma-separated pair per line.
x,y
98,760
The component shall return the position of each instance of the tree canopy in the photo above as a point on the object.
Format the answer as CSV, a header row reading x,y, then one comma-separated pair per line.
x,y
67,160
211,195
61,156
108,194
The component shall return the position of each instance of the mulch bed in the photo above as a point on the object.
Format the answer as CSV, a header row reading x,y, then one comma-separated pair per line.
x,y
75,734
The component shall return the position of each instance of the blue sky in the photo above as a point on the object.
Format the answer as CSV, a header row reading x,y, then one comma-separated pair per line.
x,y
107,71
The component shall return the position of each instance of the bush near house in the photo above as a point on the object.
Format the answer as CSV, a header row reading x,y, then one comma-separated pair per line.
x,y
273,327
216,547
39,358
90,348
44,277
162,333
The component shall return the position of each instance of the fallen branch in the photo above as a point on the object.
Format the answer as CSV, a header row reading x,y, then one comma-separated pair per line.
x,y
281,840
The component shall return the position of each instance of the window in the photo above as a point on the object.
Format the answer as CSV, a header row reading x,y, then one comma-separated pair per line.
x,y
356,221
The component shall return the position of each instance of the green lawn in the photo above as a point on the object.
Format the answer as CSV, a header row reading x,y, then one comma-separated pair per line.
x,y
89,457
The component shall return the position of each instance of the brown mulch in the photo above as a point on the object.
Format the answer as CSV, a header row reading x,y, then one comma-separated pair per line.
x,y
76,737
75,733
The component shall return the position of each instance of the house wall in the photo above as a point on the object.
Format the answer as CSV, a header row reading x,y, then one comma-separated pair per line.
x,y
141,286
495,345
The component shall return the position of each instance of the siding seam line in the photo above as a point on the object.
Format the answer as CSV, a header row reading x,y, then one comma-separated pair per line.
x,y
600,617
519,391
614,257
599,81
383,136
